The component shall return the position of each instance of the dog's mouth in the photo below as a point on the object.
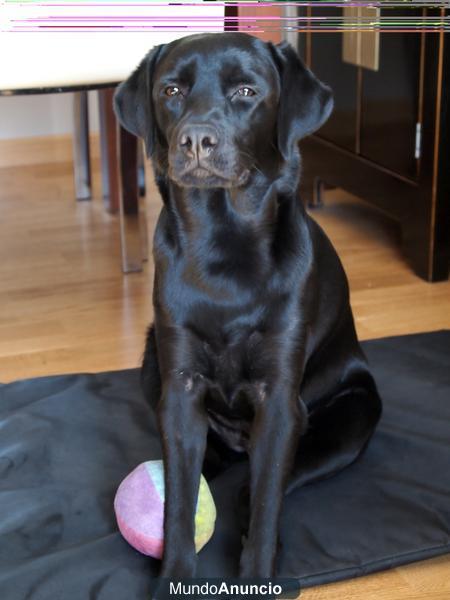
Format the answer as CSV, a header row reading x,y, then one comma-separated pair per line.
x,y
202,173
202,176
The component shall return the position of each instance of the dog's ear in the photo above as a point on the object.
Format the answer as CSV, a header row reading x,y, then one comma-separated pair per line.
x,y
133,102
305,102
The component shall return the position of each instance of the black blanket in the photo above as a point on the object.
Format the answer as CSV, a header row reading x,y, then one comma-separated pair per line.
x,y
66,442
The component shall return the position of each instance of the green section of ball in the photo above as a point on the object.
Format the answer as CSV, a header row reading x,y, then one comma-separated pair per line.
x,y
205,516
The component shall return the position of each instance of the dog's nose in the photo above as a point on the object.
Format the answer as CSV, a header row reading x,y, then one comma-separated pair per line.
x,y
198,141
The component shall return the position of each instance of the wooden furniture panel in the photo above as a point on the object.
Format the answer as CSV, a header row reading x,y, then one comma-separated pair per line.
x,y
261,21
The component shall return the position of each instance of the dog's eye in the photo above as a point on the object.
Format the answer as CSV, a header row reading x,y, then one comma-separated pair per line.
x,y
245,91
172,90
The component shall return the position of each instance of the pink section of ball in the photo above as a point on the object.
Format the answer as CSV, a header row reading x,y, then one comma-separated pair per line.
x,y
140,512
146,545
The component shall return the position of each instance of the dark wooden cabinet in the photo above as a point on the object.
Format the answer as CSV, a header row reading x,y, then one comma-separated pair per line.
x,y
388,140
390,105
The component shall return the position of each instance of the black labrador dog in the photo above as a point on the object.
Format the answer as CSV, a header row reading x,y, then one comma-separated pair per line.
x,y
253,340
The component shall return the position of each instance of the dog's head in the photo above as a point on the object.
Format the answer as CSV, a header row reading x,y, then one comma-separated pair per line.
x,y
213,108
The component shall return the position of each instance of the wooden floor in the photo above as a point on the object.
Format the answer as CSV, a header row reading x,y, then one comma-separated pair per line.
x,y
66,307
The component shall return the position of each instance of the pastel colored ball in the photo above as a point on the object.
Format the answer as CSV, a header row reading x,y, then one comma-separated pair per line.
x,y
139,507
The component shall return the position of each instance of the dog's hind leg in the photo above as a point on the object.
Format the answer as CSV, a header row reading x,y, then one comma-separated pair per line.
x,y
337,434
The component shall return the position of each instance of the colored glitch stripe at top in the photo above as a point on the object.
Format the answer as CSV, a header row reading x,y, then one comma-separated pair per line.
x,y
251,17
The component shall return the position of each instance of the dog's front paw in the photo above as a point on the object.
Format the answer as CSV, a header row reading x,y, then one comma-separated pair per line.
x,y
179,567
173,570
255,563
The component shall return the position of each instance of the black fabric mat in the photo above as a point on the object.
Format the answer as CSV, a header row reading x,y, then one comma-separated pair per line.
x,y
66,442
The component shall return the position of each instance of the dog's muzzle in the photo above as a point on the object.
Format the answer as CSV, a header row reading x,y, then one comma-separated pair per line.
x,y
200,158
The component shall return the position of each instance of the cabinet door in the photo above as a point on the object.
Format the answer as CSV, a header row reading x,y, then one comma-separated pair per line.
x,y
390,100
327,64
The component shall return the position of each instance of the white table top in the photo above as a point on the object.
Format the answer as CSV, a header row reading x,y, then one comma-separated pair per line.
x,y
89,51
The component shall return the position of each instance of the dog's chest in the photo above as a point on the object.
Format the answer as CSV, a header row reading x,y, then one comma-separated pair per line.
x,y
236,377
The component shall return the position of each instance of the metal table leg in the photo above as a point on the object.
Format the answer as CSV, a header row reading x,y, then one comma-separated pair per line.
x,y
133,224
81,156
